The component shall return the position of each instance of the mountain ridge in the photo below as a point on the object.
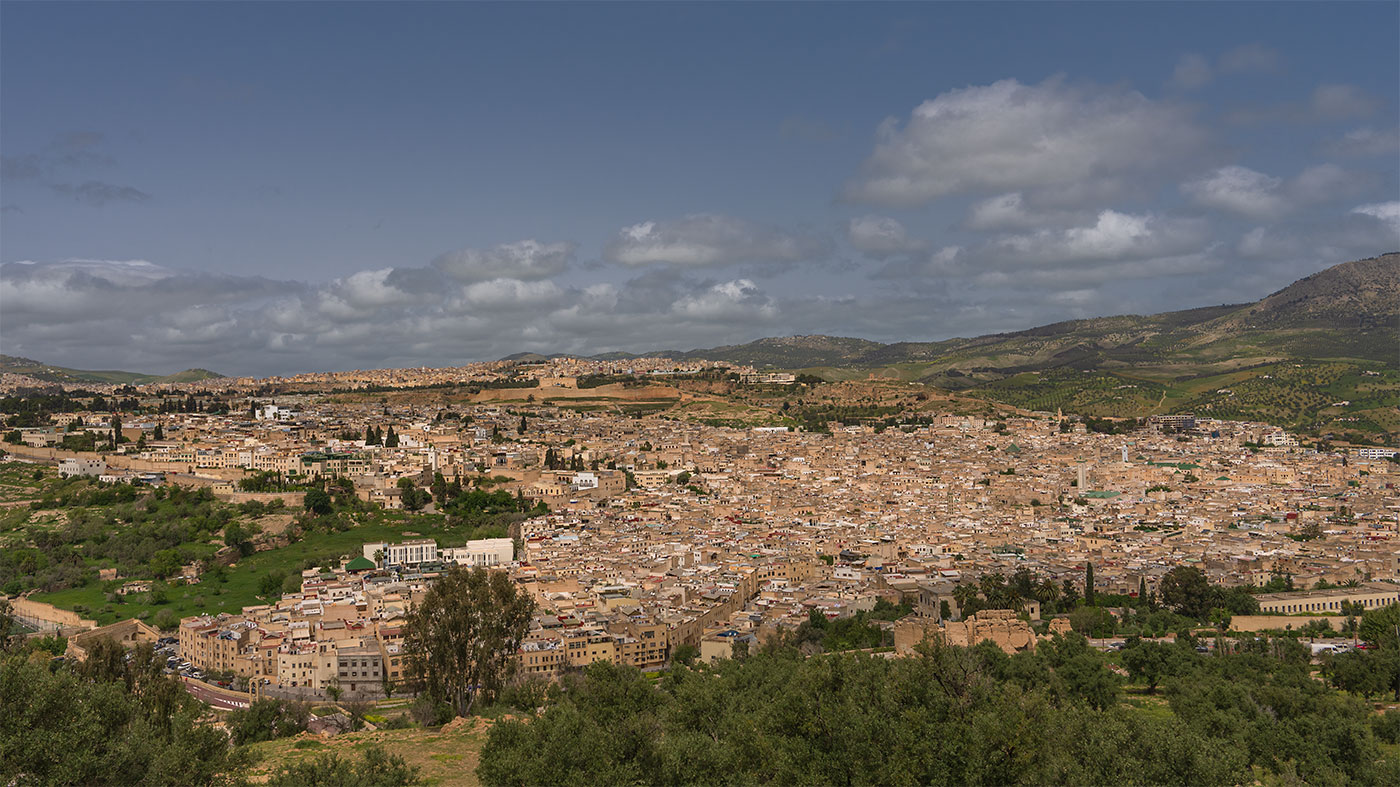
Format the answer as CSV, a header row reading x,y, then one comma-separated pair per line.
x,y
1358,296
60,374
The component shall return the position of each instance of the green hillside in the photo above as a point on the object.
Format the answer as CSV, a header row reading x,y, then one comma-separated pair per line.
x,y
59,374
1321,355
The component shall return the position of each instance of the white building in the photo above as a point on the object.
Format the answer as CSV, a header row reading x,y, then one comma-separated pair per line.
x,y
80,466
409,553
484,552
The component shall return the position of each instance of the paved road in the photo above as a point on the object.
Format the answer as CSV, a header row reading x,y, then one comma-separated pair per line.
x,y
212,696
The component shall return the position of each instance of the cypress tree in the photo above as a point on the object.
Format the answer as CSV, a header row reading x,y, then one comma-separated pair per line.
x,y
1088,584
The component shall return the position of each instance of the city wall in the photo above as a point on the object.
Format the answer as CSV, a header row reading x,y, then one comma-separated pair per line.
x,y
291,499
47,617
1295,622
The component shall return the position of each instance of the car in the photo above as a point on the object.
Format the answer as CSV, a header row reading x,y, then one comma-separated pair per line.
x,y
1202,649
1365,646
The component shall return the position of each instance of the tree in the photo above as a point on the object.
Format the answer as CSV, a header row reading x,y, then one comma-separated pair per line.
x,y
1069,595
116,431
317,501
1221,617
523,425
685,654
461,640
165,563
266,719
413,498
236,536
1186,590
116,720
1150,662
1089,583
1378,627
391,439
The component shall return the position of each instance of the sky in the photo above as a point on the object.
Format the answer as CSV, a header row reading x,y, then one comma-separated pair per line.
x,y
271,188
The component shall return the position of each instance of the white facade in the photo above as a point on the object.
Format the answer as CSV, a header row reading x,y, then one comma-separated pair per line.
x,y
483,552
80,466
409,553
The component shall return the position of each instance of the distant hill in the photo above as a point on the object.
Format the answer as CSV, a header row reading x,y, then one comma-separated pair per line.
x,y
1322,354
189,376
59,374
1346,311
792,351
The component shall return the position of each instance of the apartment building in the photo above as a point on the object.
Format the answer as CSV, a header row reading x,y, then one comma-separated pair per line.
x,y
1370,595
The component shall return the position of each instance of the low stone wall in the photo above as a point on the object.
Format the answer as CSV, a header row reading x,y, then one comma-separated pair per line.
x,y
36,454
1295,622
291,499
308,694
47,617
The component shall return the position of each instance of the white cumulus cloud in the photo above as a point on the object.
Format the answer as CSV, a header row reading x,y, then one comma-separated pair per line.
x,y
1387,213
525,260
1008,137
706,239
881,236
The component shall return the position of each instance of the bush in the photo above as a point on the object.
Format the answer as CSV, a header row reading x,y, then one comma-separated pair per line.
x,y
267,719
376,769
430,713
1387,726
166,619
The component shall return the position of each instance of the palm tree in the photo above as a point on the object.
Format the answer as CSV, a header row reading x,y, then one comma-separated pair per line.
x,y
964,595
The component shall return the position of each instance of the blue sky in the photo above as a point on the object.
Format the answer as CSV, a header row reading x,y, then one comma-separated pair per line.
x,y
263,188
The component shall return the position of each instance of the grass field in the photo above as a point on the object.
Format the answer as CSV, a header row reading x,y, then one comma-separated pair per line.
x,y
447,758
240,586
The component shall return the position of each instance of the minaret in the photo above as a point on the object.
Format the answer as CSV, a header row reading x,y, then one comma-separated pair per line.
x,y
1082,484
